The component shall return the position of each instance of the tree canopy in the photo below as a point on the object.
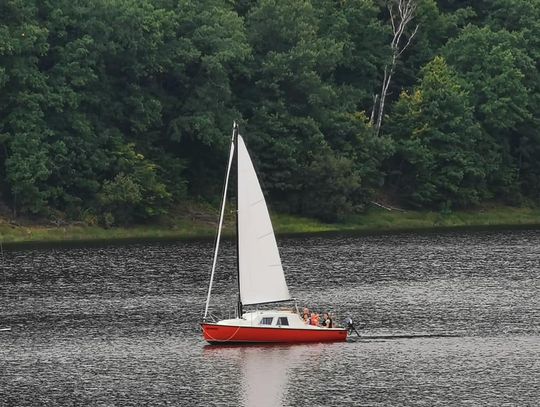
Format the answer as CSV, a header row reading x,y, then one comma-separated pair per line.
x,y
116,111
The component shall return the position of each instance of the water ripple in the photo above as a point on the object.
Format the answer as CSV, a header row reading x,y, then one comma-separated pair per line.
x,y
118,325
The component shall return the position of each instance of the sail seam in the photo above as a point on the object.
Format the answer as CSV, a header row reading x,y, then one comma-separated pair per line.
x,y
257,202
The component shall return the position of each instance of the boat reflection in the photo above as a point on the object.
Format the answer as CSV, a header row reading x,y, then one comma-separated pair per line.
x,y
267,372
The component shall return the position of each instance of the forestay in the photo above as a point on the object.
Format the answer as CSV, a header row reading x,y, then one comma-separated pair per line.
x,y
261,274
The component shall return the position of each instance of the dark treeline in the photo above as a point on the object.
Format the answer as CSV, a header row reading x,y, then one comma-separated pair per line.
x,y
116,111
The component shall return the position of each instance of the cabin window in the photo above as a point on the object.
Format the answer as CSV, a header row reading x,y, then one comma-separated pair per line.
x,y
266,321
283,321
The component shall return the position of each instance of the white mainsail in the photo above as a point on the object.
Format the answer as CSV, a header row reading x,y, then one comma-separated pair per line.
x,y
260,271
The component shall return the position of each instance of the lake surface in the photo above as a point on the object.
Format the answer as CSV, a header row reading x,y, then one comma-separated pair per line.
x,y
118,325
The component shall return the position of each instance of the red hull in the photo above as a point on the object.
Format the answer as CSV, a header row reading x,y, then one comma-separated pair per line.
x,y
215,333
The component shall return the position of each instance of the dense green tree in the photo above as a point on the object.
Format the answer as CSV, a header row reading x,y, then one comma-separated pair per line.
x,y
117,109
522,19
365,48
495,67
330,183
23,103
302,100
435,27
92,78
135,193
439,145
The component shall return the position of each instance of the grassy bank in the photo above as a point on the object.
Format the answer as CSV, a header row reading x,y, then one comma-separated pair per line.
x,y
186,227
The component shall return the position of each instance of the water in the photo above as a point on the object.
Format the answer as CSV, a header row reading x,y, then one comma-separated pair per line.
x,y
118,326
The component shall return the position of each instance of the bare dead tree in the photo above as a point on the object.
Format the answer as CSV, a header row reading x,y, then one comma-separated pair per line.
x,y
373,111
402,12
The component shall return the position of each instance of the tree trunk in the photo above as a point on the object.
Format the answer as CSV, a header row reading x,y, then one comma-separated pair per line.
x,y
401,14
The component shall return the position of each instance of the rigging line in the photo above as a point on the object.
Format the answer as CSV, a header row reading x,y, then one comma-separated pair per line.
x,y
223,340
220,225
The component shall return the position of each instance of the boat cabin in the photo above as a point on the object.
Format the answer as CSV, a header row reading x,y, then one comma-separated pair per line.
x,y
269,319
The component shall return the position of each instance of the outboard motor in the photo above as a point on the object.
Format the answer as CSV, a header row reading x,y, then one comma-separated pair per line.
x,y
351,327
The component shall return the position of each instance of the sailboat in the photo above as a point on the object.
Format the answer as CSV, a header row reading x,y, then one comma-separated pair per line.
x,y
260,275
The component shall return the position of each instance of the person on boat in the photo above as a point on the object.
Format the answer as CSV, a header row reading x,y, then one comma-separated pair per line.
x,y
314,320
305,315
327,321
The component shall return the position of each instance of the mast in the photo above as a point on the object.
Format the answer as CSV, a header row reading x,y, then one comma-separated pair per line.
x,y
220,224
235,137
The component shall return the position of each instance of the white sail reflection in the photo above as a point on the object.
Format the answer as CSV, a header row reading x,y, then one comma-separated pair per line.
x,y
266,371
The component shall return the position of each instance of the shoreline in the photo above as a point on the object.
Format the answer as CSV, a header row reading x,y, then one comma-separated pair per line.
x,y
373,222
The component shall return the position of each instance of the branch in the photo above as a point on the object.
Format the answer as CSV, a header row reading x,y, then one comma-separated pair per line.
x,y
400,19
390,9
410,39
388,208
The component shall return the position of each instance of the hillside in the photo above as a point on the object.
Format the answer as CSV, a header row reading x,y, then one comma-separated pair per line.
x,y
116,112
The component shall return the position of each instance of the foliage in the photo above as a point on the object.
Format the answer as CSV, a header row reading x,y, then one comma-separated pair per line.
x,y
303,98
438,143
135,193
333,179
119,110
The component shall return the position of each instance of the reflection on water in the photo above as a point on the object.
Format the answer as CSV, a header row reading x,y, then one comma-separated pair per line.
x,y
118,326
266,371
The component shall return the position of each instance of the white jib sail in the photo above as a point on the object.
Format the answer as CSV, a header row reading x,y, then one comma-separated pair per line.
x,y
261,274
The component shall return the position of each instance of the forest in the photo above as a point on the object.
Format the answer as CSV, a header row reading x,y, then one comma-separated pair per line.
x,y
114,112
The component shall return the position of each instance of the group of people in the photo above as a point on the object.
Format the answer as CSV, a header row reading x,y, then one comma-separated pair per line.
x,y
315,319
